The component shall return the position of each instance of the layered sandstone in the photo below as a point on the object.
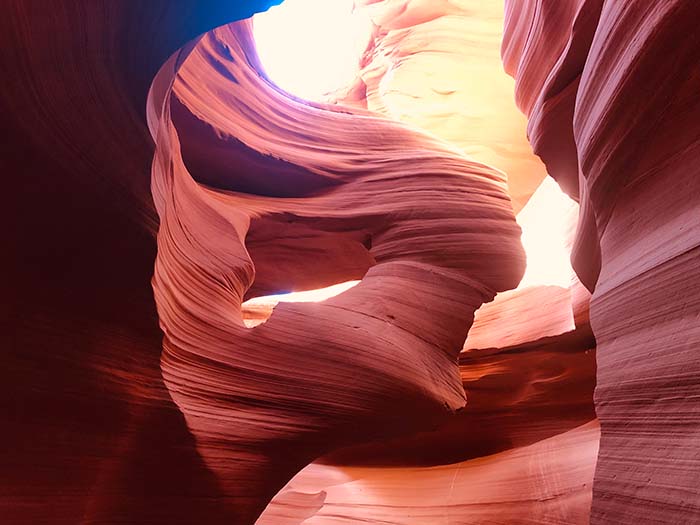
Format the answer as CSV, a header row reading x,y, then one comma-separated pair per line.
x,y
148,154
611,92
264,402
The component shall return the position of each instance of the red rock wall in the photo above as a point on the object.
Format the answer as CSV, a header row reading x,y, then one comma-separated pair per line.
x,y
546,482
257,193
433,230
624,89
89,432
100,427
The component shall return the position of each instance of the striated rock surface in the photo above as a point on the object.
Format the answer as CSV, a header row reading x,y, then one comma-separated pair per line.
x,y
146,154
257,192
433,230
436,65
89,431
613,108
547,482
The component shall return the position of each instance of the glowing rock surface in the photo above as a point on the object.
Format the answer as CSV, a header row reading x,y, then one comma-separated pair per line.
x,y
610,89
169,196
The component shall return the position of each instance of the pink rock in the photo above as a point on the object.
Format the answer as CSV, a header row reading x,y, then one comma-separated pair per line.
x,y
633,111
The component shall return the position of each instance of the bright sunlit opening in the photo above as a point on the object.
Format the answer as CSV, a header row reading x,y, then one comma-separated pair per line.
x,y
547,220
258,310
308,296
311,47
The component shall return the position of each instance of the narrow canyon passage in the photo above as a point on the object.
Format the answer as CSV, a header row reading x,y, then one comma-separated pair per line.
x,y
290,194
263,402
368,261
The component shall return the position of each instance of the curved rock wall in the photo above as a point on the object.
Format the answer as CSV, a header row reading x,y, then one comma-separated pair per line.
x,y
258,192
89,431
433,230
622,94
436,65
546,482
95,426
528,377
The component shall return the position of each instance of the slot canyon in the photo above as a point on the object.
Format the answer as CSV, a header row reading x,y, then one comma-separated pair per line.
x,y
335,262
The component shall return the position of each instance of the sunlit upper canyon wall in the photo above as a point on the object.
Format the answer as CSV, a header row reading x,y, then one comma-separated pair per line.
x,y
315,266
